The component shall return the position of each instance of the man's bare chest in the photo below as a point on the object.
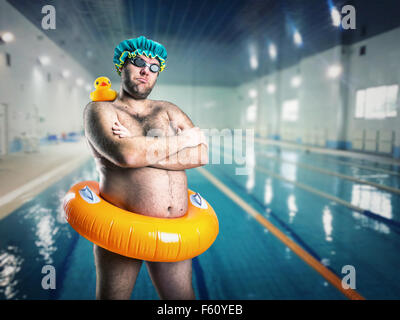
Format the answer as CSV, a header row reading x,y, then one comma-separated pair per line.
x,y
155,122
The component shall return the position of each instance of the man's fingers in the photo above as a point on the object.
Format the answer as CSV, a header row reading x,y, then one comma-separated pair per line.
x,y
118,132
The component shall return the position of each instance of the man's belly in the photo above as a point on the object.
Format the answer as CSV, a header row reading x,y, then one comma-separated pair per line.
x,y
148,191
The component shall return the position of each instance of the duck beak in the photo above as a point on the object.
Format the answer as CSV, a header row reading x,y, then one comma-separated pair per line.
x,y
103,84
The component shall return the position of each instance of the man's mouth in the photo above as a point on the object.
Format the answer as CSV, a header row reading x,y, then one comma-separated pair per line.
x,y
142,80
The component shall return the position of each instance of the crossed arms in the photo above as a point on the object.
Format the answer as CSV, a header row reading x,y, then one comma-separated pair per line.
x,y
186,150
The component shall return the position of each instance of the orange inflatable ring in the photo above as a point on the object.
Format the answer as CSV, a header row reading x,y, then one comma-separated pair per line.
x,y
138,236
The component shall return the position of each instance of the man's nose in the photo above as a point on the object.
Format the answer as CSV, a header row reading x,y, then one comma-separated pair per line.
x,y
145,70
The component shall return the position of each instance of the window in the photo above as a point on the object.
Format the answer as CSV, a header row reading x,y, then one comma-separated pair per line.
x,y
363,31
290,110
363,50
376,102
391,100
360,103
8,60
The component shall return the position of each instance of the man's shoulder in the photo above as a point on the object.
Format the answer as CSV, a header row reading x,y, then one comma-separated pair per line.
x,y
168,106
99,106
176,114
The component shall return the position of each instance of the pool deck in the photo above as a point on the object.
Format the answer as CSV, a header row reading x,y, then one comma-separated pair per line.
x,y
24,175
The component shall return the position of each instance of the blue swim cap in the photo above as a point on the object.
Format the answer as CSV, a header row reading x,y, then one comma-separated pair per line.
x,y
139,46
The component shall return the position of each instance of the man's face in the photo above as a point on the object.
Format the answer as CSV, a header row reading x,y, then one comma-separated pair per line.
x,y
138,81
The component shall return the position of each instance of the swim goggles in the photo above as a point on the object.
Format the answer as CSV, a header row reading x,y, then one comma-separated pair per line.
x,y
139,62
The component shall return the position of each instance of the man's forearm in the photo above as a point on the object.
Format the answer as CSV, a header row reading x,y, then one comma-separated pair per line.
x,y
187,158
147,151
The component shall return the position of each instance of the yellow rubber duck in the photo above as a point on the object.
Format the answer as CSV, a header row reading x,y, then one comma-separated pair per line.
x,y
103,91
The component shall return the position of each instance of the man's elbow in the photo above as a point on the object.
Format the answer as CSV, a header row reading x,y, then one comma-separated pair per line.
x,y
122,161
132,161
136,160
126,160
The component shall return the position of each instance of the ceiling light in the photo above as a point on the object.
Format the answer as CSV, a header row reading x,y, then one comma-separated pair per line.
x,y
271,88
253,62
44,60
296,81
253,57
334,71
253,93
66,73
336,18
297,38
272,51
7,37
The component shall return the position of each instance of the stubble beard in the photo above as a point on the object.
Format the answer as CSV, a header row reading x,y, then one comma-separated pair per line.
x,y
134,89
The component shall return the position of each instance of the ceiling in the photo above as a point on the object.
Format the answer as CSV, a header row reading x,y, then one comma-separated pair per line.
x,y
209,42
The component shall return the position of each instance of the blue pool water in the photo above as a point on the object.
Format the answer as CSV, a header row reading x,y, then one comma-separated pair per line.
x,y
246,261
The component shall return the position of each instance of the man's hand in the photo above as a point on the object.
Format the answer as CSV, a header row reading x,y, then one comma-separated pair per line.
x,y
194,137
119,130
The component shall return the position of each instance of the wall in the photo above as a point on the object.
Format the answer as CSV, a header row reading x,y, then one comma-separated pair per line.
x,y
326,115
380,66
35,106
207,107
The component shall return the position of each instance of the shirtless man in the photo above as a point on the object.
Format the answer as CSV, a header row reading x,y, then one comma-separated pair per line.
x,y
118,135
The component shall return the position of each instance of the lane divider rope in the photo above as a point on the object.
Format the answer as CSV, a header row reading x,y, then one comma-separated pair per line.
x,y
335,174
330,197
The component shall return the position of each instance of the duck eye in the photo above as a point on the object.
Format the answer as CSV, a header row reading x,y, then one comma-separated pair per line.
x,y
108,81
97,82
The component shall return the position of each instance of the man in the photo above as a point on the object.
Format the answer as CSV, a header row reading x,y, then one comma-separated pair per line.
x,y
142,148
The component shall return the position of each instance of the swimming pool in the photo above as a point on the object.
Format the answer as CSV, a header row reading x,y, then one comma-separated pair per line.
x,y
246,261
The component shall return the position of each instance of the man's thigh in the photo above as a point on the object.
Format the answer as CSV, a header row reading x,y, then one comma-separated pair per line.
x,y
115,274
173,280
